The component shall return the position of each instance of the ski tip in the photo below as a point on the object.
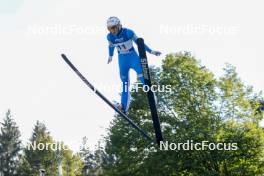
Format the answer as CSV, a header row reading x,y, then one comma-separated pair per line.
x,y
64,56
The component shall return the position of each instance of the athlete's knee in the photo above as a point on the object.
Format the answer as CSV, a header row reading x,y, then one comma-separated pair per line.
x,y
123,78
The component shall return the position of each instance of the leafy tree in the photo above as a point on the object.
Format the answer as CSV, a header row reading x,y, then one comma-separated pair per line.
x,y
43,152
37,154
24,168
71,163
92,160
199,107
239,123
88,158
99,157
10,145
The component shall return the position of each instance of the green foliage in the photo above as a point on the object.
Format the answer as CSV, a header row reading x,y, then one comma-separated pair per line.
x,y
198,108
36,157
40,157
24,168
87,157
72,164
10,145
92,160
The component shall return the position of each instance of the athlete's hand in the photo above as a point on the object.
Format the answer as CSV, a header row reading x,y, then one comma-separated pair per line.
x,y
156,53
110,58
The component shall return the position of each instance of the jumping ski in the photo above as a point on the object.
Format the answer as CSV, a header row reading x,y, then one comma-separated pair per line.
x,y
150,94
122,114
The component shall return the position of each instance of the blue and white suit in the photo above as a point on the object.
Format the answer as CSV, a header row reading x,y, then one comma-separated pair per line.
x,y
127,59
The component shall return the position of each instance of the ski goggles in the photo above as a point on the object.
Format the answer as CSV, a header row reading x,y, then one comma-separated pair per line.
x,y
111,28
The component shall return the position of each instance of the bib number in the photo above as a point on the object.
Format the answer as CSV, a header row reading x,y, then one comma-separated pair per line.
x,y
124,46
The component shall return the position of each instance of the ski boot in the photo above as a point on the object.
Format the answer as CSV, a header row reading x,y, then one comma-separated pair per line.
x,y
120,107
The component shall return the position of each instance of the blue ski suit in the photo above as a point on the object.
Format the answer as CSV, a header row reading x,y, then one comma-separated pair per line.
x,y
127,58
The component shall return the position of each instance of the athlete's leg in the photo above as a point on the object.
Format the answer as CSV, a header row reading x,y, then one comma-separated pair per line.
x,y
137,67
124,75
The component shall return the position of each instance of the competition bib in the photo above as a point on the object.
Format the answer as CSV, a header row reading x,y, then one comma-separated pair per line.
x,y
124,47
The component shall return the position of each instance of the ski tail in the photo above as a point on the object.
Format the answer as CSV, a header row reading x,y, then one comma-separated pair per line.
x,y
150,94
124,116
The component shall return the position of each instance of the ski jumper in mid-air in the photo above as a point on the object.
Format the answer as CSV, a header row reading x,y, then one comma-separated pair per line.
x,y
122,39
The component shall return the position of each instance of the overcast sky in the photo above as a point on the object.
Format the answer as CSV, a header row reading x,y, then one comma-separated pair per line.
x,y
36,84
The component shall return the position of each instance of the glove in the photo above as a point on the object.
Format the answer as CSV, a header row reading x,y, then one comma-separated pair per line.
x,y
110,58
156,53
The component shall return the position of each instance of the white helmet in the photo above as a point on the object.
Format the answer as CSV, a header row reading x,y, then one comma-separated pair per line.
x,y
113,21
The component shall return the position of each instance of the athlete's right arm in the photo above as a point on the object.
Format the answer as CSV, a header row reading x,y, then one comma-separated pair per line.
x,y
111,49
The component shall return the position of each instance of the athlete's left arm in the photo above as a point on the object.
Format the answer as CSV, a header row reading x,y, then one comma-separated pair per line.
x,y
131,35
134,38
